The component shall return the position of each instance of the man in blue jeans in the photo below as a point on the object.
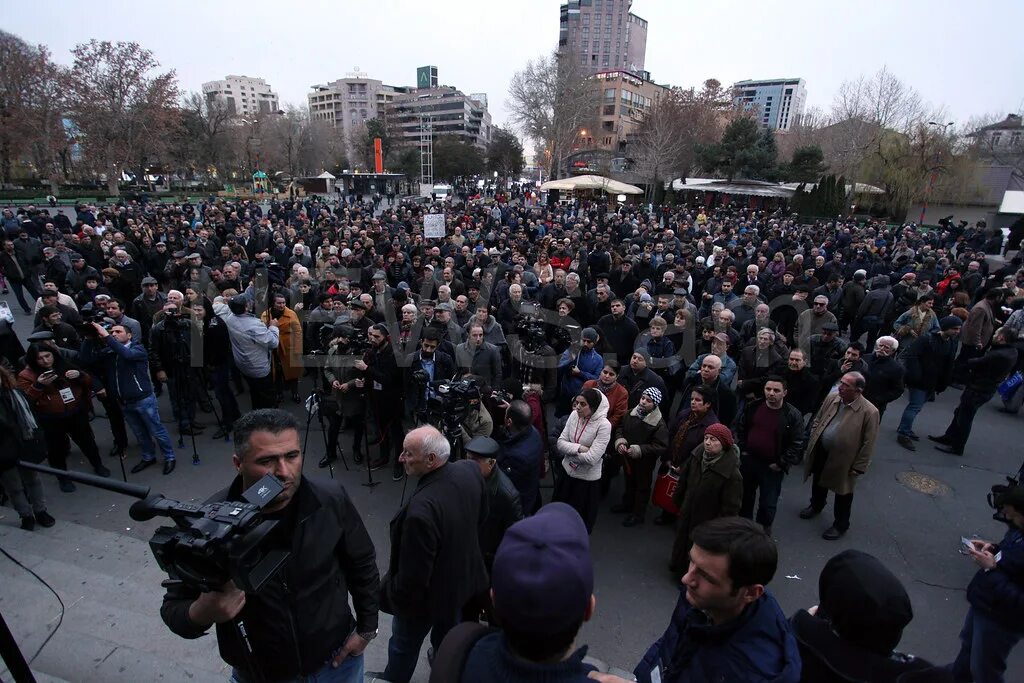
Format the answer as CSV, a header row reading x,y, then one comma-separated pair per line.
x,y
996,594
126,365
929,370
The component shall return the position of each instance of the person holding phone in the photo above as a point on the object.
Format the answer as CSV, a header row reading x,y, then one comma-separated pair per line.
x,y
993,625
60,398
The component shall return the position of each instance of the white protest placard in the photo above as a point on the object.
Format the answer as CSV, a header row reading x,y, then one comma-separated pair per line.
x,y
433,226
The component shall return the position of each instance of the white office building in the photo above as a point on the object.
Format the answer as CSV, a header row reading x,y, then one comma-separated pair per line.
x,y
779,103
243,95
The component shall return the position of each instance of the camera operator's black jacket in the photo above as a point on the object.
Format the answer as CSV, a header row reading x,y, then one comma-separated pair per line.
x,y
170,344
302,614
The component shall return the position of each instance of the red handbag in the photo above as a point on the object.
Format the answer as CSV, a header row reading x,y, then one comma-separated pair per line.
x,y
664,489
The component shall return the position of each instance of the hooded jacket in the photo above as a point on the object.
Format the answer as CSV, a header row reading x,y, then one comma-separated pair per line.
x,y
864,609
755,647
595,432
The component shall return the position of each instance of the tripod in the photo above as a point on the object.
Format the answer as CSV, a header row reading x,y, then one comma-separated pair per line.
x,y
180,375
313,405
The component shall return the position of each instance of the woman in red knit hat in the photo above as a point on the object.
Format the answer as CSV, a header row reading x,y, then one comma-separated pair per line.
x,y
710,486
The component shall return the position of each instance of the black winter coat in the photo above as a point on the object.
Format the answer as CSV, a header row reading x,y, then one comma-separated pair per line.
x,y
649,433
929,362
436,565
986,373
520,459
802,389
791,436
302,614
503,510
885,381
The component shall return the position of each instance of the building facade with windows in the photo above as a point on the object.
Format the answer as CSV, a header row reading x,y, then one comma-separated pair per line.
x,y
603,35
350,102
624,100
450,112
779,103
242,95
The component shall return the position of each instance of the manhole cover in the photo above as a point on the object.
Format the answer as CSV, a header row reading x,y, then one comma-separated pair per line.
x,y
922,483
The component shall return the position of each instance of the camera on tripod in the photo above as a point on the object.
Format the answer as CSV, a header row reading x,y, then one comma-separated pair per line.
x,y
532,331
212,543
449,402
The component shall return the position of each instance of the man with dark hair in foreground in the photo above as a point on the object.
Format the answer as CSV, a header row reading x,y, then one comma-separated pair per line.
x,y
726,625
299,624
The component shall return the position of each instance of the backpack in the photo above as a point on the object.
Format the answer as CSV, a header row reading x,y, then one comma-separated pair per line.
x,y
451,656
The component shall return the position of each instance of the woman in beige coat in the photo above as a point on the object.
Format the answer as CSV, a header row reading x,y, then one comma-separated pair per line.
x,y
839,450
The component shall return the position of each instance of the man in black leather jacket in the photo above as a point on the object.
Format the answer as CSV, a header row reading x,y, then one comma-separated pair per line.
x,y
770,434
299,624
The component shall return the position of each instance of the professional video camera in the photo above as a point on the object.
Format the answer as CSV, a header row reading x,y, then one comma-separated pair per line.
x,y
532,331
997,496
91,315
449,402
215,542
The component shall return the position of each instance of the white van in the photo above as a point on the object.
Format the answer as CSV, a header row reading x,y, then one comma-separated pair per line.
x,y
442,191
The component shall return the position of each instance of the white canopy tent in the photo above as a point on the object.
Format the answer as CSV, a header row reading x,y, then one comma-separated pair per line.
x,y
591,182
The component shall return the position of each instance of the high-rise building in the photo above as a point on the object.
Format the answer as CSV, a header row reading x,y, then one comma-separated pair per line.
x,y
448,111
349,102
242,95
603,35
779,103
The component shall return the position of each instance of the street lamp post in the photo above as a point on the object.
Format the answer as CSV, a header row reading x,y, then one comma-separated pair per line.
x,y
935,169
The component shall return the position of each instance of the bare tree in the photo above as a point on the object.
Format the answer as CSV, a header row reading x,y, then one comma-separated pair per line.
x,y
551,100
123,112
661,141
212,120
31,102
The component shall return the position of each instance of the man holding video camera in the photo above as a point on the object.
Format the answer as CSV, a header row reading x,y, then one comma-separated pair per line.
x,y
299,624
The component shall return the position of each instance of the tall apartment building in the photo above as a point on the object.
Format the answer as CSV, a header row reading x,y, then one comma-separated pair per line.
x,y
450,112
243,96
348,102
603,34
780,102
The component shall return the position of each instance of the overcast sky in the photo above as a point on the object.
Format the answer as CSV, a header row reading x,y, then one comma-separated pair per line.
x,y
964,56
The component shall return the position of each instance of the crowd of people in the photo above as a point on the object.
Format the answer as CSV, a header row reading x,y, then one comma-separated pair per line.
x,y
700,351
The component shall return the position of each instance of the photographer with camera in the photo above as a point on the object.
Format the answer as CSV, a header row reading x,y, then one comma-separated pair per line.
x,y
383,385
476,420
170,360
348,393
996,594
124,362
299,624
217,363
427,365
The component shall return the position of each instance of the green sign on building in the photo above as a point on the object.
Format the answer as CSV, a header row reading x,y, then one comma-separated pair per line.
x,y
426,77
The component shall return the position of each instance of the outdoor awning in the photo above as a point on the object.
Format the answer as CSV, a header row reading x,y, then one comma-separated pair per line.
x,y
1013,202
748,188
326,176
591,182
